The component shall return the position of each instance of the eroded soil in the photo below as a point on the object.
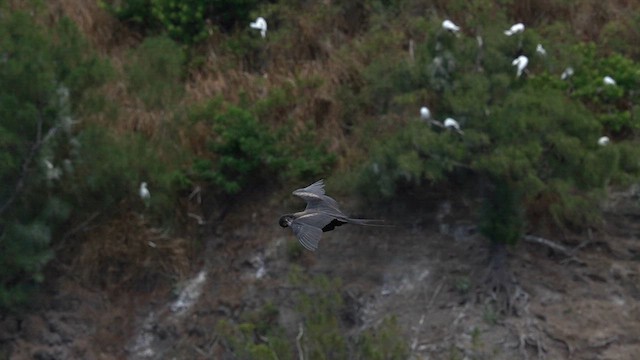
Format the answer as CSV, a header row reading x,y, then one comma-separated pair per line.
x,y
423,271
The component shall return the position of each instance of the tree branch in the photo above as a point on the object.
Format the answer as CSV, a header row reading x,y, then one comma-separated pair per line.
x,y
26,164
298,344
548,243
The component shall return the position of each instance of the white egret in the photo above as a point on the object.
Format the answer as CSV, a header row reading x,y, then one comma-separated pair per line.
x,y
567,73
540,50
425,114
608,80
449,123
63,94
53,173
375,168
145,195
515,28
260,24
450,26
521,62
603,141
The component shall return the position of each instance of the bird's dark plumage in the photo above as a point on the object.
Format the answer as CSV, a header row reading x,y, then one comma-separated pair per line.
x,y
332,225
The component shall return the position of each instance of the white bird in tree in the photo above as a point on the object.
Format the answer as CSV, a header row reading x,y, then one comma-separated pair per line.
x,y
515,28
425,114
450,26
53,173
567,73
608,80
260,24
540,50
521,62
145,195
603,141
450,123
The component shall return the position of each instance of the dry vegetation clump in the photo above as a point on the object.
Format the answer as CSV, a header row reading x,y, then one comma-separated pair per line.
x,y
126,254
98,26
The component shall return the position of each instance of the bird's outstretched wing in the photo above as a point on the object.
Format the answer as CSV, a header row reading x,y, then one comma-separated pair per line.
x,y
316,199
308,235
317,188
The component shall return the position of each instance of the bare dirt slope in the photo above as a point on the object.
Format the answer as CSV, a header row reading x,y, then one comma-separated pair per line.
x,y
422,271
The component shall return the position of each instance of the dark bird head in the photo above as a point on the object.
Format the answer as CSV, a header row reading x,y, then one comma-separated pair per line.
x,y
285,220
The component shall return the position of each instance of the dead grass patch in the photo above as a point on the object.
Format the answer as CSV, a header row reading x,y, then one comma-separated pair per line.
x,y
126,254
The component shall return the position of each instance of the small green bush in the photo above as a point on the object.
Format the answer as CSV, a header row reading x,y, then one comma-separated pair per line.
x,y
245,152
243,148
185,21
385,342
154,72
137,13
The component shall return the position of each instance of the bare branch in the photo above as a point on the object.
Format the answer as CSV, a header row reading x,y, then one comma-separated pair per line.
x,y
26,164
298,344
548,243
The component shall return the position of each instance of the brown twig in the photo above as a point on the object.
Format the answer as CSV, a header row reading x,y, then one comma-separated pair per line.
x,y
414,343
555,338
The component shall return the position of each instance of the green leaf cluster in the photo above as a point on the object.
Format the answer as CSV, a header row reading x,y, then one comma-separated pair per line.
x,y
186,21
243,152
155,71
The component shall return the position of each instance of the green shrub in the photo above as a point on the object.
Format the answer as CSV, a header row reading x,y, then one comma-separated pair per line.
x,y
154,72
137,13
244,151
184,21
111,169
385,342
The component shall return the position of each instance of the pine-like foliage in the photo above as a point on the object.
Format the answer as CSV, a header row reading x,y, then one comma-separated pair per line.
x,y
530,140
44,76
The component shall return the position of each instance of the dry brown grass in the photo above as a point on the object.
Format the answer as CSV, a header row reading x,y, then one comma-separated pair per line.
x,y
127,254
307,52
101,29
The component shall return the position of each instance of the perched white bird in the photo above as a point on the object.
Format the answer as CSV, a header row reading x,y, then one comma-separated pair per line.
x,y
425,114
450,26
145,195
608,80
521,62
540,50
260,24
567,73
375,168
603,141
515,28
449,123
53,173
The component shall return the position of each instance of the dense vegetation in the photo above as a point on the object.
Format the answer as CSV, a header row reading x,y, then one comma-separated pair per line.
x,y
201,101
